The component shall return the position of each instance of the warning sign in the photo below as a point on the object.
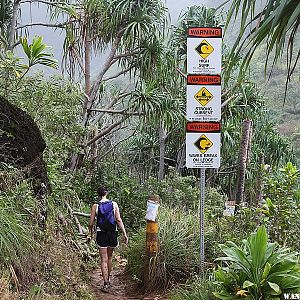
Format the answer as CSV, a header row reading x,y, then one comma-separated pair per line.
x,y
203,136
203,101
204,49
215,32
203,127
202,150
203,96
203,143
204,80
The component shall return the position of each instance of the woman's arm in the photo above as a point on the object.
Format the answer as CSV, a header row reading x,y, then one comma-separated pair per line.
x,y
92,219
120,222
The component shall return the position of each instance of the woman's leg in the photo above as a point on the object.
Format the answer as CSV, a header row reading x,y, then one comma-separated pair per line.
x,y
104,263
110,251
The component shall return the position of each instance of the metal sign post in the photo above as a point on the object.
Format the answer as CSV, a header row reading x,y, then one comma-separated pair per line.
x,y
203,129
201,216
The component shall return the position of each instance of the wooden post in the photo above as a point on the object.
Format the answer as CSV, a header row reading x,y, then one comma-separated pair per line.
x,y
152,246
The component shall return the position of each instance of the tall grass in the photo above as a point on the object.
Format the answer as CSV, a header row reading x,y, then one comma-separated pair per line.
x,y
198,289
178,255
16,207
15,237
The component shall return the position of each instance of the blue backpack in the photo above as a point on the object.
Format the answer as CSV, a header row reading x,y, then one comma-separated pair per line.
x,y
106,217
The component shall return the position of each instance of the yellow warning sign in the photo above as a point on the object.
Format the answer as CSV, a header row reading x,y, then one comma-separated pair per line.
x,y
204,49
203,96
203,143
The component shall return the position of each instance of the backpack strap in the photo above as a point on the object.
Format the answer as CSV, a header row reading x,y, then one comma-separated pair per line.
x,y
106,202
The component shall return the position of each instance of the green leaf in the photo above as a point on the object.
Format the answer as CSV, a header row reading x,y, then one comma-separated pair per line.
x,y
223,295
266,271
257,244
247,284
275,287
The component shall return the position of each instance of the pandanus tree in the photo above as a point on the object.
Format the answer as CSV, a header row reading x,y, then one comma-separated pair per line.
x,y
125,32
163,97
275,25
163,110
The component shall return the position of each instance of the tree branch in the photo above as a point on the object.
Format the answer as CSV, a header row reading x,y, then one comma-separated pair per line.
x,y
94,90
106,66
181,73
81,229
106,131
81,214
228,100
110,105
44,2
59,25
126,54
114,146
119,74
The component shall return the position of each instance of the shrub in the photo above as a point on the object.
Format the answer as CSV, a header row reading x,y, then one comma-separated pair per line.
x,y
178,255
258,270
197,289
16,209
281,208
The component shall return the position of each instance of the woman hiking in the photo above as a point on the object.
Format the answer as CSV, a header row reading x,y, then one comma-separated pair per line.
x,y
107,216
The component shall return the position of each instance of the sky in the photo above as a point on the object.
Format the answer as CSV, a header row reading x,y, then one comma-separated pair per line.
x,y
37,13
175,6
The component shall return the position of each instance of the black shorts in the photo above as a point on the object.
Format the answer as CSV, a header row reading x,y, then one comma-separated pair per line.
x,y
107,239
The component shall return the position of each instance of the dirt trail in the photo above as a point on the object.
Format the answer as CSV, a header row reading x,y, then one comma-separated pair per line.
x,y
121,287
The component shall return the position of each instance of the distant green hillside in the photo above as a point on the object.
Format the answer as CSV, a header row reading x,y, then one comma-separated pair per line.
x,y
286,114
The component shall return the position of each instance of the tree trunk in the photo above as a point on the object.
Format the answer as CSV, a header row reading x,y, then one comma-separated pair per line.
x,y
259,181
95,88
77,159
13,25
94,149
162,150
87,69
243,156
180,159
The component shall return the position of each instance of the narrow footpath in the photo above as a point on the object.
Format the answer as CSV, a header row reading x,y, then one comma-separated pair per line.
x,y
121,286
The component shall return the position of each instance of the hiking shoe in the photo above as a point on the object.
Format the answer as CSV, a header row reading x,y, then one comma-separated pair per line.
x,y
105,288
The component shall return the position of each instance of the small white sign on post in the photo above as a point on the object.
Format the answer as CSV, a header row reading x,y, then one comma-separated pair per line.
x,y
152,211
203,98
203,141
229,208
204,50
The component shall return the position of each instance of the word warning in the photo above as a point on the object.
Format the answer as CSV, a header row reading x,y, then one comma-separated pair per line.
x,y
204,48
203,98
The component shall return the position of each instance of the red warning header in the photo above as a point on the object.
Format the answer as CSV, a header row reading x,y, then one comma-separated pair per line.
x,y
213,127
204,80
213,32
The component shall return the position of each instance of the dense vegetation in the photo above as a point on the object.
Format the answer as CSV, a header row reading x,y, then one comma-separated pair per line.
x,y
123,128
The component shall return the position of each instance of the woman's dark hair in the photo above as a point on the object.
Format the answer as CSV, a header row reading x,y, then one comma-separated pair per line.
x,y
102,191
